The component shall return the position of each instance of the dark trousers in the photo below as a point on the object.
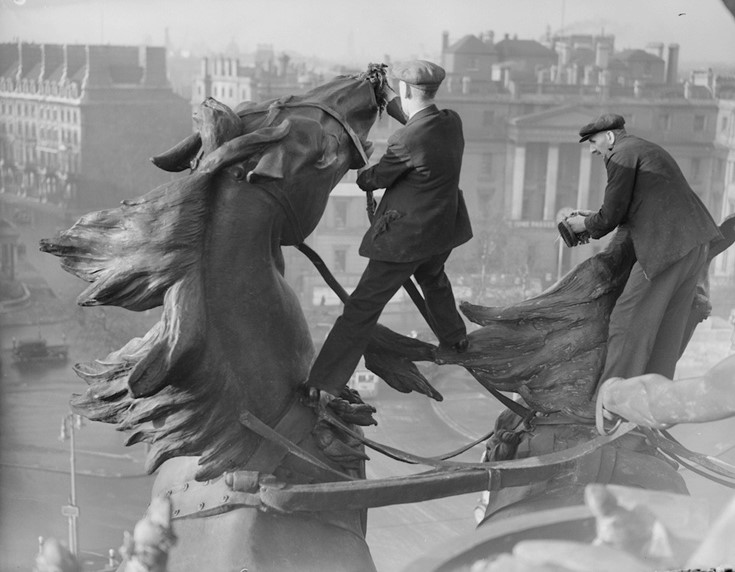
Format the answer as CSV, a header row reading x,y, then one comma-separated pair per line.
x,y
648,322
351,332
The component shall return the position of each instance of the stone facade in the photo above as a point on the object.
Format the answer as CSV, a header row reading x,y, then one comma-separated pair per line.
x,y
78,123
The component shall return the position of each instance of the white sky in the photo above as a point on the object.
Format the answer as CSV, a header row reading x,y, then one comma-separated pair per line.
x,y
358,31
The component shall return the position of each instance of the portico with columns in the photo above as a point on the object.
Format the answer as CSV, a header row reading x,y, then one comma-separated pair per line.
x,y
549,171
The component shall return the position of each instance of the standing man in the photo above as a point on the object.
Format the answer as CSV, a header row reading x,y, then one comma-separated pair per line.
x,y
421,218
671,230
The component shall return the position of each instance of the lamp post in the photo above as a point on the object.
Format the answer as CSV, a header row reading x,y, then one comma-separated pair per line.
x,y
68,423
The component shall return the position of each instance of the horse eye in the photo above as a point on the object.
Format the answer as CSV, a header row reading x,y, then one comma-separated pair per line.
x,y
238,172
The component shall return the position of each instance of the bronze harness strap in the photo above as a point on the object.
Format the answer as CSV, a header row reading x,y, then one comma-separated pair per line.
x,y
446,479
703,465
257,490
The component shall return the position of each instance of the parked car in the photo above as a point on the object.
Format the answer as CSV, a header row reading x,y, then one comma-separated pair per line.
x,y
38,350
22,217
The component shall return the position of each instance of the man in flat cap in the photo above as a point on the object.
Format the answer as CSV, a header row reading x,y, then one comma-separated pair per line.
x,y
421,218
671,230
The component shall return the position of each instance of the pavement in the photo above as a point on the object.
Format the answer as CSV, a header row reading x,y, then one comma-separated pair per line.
x,y
39,305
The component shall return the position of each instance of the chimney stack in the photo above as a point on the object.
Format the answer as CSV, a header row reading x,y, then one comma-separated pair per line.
x,y
672,65
153,62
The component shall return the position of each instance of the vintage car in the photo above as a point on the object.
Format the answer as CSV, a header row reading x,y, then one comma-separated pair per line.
x,y
38,350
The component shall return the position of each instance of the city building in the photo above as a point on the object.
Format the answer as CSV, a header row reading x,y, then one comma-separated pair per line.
x,y
523,163
723,174
78,123
232,81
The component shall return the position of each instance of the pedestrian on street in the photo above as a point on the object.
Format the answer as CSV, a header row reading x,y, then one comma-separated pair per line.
x,y
421,218
671,230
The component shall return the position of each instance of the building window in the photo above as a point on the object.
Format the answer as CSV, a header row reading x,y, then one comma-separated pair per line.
x,y
664,121
723,123
487,166
485,201
700,122
340,213
340,260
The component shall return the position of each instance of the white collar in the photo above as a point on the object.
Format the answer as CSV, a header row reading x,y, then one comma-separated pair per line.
x,y
421,109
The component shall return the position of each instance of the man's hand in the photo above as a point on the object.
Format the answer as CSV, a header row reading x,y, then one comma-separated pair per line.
x,y
576,223
348,406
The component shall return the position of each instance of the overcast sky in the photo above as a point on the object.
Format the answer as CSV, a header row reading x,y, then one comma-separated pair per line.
x,y
358,31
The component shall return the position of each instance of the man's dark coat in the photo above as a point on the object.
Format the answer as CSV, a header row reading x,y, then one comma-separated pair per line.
x,y
422,212
647,192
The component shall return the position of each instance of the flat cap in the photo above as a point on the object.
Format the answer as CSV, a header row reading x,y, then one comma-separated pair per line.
x,y
418,72
606,122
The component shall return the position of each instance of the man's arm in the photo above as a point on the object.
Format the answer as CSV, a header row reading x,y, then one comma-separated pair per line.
x,y
394,107
652,400
621,173
391,166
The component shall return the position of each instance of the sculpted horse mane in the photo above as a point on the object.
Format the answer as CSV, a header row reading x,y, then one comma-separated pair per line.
x,y
150,386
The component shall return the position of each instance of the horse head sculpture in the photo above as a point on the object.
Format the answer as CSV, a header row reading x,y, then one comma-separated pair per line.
x,y
221,367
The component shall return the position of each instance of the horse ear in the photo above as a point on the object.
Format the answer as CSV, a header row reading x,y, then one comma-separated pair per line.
x,y
330,152
270,166
180,155
217,124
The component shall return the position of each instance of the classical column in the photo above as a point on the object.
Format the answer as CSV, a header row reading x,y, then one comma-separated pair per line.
x,y
585,170
519,173
552,176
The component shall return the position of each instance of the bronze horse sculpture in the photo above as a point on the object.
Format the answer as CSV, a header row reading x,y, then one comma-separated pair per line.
x,y
214,388
232,344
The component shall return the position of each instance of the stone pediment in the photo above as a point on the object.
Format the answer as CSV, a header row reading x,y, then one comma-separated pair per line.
x,y
558,117
558,125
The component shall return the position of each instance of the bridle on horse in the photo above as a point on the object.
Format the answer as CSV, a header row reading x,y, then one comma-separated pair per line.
x,y
275,191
